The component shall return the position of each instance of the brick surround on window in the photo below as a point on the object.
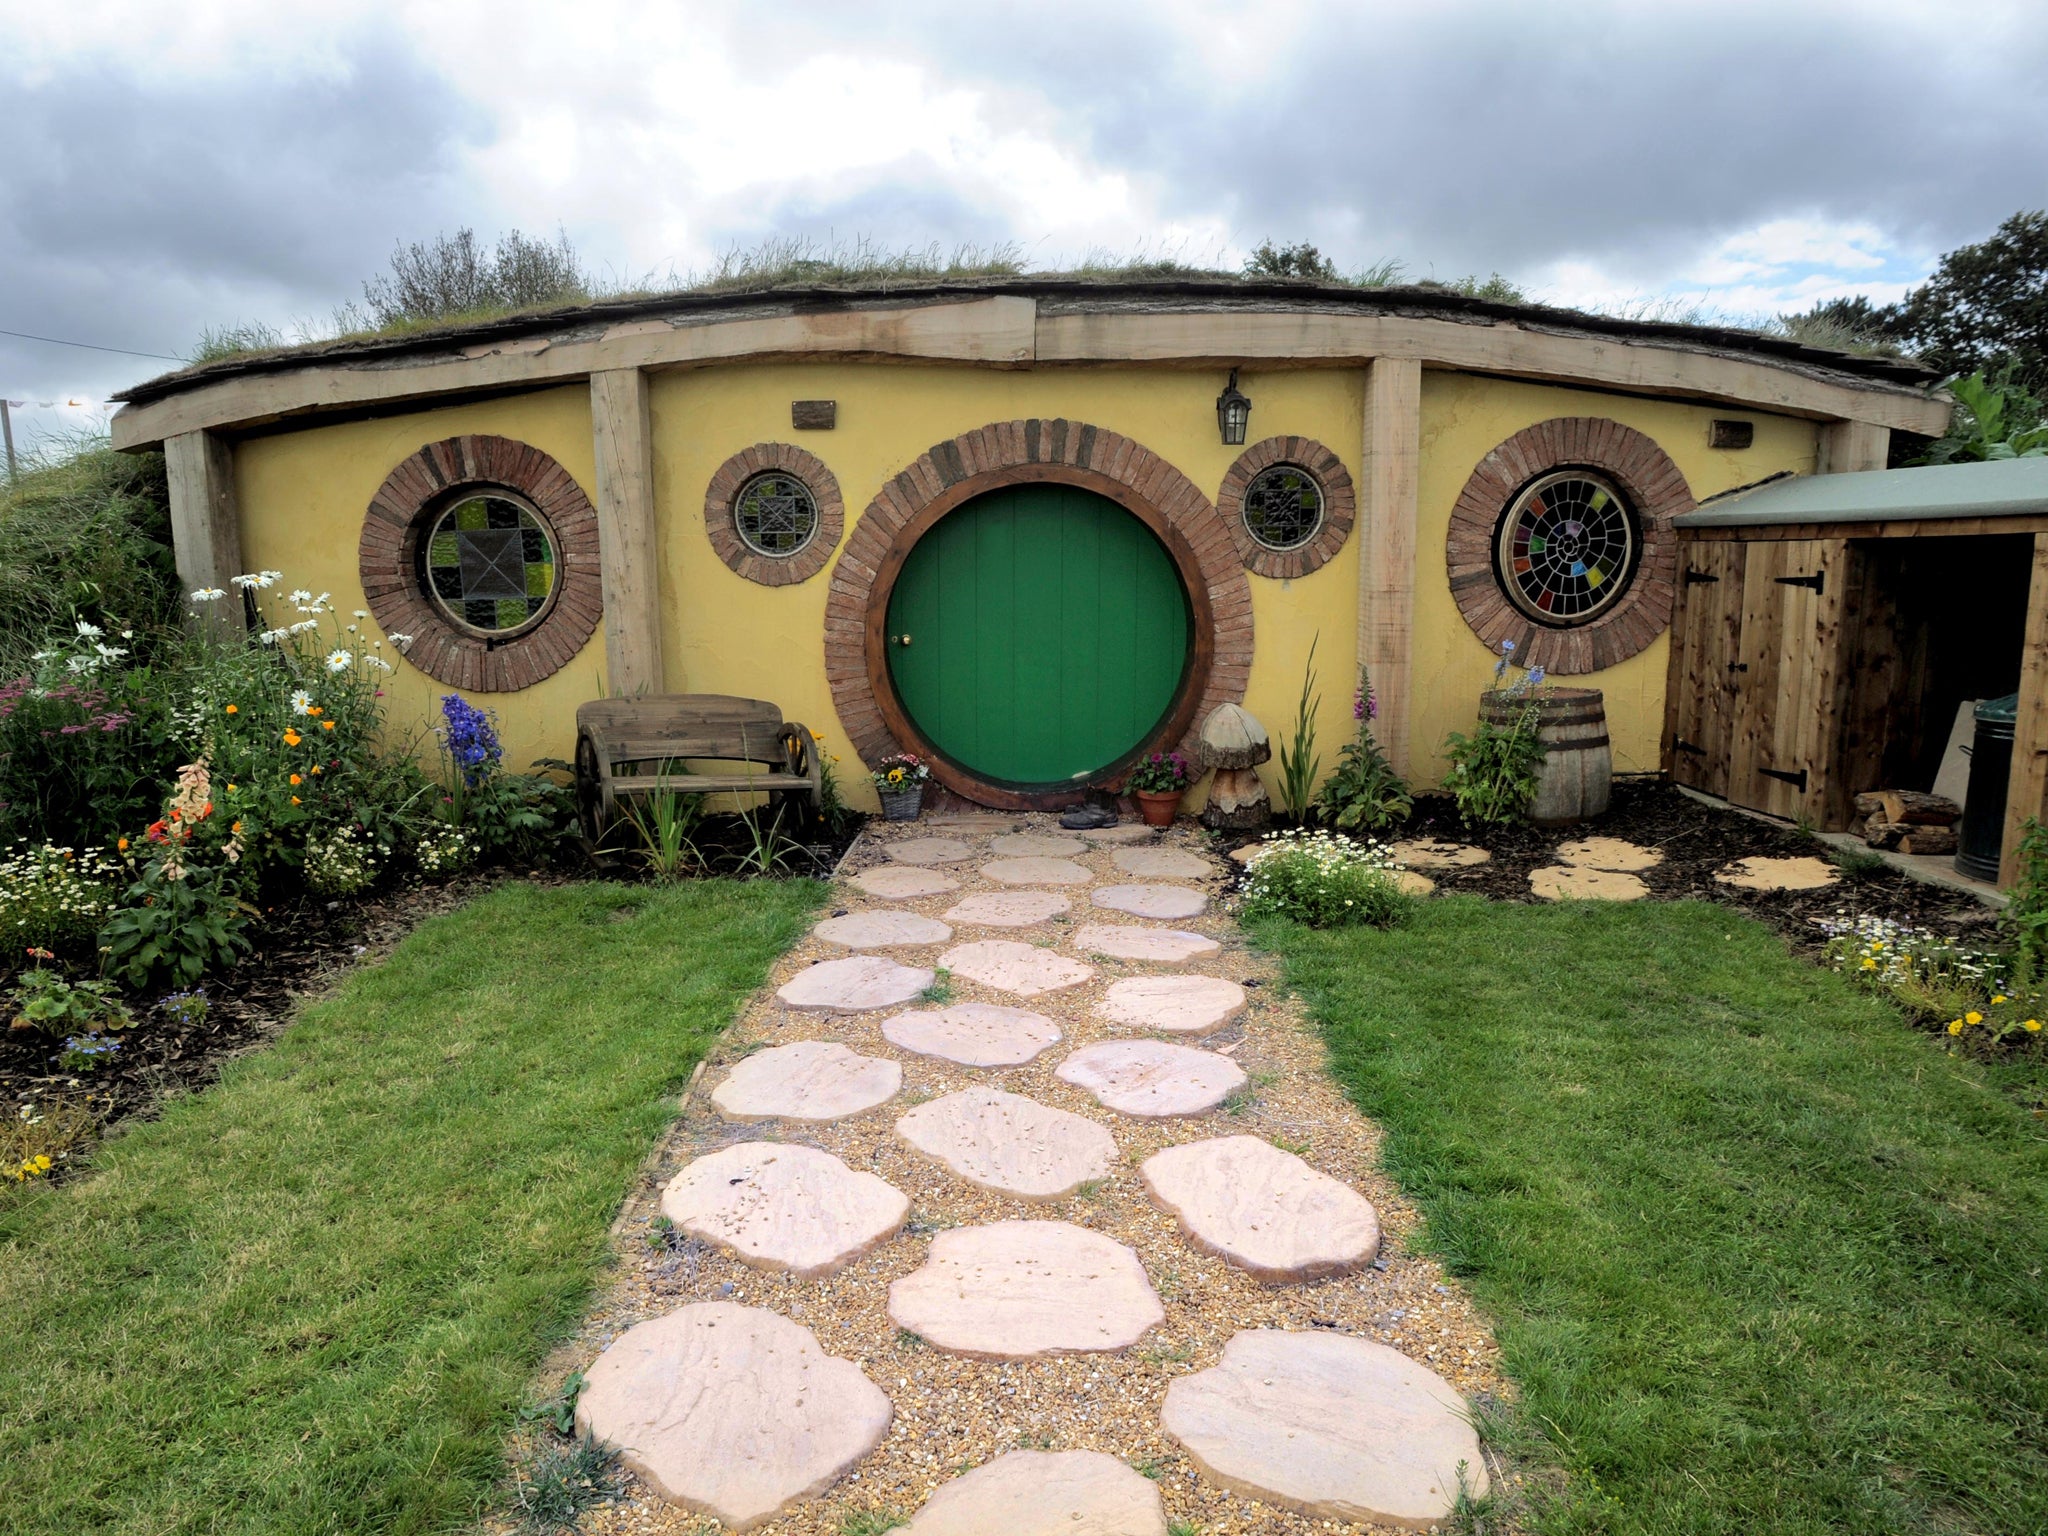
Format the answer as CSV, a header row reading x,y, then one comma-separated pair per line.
x,y
1340,505
1645,475
388,560
774,570
1015,453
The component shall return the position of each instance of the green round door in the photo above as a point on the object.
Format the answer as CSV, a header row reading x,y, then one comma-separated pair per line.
x,y
1038,634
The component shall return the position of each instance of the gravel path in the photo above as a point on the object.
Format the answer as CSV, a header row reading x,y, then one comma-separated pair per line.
x,y
952,1412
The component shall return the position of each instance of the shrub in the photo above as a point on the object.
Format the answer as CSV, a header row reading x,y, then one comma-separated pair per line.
x,y
177,926
1494,771
52,896
41,1136
341,863
88,1052
1365,793
443,851
45,1003
1326,882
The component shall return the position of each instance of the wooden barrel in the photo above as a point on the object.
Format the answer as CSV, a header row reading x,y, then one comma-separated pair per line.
x,y
1578,766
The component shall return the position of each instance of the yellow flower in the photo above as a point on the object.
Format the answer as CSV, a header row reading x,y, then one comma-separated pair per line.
x,y
297,801
1869,964
231,789
1973,1017
292,738
895,775
316,767
1877,943
1955,1026
1998,999
2032,1026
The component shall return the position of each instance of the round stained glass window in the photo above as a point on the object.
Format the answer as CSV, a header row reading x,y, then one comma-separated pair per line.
x,y
776,514
490,565
1567,548
1283,507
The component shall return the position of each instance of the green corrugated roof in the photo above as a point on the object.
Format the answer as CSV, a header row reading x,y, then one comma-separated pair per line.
x,y
2002,488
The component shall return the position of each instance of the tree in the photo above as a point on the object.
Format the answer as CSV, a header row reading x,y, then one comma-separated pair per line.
x,y
452,276
1993,419
1986,303
1300,260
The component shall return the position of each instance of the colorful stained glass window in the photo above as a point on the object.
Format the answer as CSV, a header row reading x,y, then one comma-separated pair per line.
x,y
490,564
1283,507
1567,548
776,514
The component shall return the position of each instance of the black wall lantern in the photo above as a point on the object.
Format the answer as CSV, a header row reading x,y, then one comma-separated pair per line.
x,y
1233,412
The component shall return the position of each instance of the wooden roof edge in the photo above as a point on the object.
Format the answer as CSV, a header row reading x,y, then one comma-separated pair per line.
x,y
1059,293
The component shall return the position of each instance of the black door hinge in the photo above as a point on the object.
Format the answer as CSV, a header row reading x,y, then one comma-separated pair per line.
x,y
1816,581
1738,666
1796,780
1680,744
1695,578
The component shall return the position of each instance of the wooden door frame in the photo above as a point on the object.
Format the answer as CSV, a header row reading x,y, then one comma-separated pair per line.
x,y
1187,697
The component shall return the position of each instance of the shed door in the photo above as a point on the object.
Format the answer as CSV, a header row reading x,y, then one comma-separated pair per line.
x,y
1038,635
1786,675
1706,639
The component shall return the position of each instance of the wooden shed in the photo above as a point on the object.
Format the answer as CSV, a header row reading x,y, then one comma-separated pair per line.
x,y
1828,628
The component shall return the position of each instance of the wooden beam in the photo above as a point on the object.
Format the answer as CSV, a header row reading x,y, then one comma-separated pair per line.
x,y
2026,792
628,555
206,535
1008,331
1386,557
994,331
1848,447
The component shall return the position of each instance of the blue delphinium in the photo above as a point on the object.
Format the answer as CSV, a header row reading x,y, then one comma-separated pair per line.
x,y
470,739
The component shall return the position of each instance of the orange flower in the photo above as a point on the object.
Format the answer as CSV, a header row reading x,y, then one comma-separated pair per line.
x,y
326,725
122,845
314,709
292,738
233,710
297,780
235,830
297,801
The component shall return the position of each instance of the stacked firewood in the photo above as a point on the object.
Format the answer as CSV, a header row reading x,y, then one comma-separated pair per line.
x,y
1908,820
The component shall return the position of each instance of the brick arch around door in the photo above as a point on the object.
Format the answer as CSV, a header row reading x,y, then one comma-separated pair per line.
x,y
1031,452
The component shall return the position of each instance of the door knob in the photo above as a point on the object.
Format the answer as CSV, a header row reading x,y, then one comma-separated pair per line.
x,y
903,639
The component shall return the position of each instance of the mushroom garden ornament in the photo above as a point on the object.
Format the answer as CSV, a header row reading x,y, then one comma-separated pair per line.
x,y
1234,744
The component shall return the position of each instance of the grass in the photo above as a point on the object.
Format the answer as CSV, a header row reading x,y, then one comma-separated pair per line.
x,y
1761,1257
311,1297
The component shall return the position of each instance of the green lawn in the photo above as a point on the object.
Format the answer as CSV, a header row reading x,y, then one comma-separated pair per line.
x,y
1761,1257
310,1298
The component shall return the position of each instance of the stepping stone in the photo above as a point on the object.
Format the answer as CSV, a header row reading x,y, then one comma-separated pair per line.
x,y
881,930
1036,845
811,1080
1329,1426
1250,853
1610,853
731,1411
1412,882
1008,966
1164,946
1181,1005
1430,853
901,882
1009,909
1150,1079
1011,1144
1162,864
930,850
1161,901
1264,1210
1016,1290
1036,872
1805,873
1044,1493
974,1034
1122,832
855,984
1568,882
782,1206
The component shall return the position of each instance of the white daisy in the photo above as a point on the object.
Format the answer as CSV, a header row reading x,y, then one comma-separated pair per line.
x,y
89,631
302,702
203,595
338,660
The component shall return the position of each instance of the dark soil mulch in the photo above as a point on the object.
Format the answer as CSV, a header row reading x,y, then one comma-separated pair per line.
x,y
1696,841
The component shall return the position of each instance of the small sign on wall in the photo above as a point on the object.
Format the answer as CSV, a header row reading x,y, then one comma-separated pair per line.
x,y
814,415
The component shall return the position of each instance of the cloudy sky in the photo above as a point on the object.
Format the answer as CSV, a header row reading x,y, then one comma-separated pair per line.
x,y
175,167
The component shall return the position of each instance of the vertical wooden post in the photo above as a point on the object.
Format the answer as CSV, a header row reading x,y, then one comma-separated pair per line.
x,y
627,552
1849,446
2026,789
1386,557
206,534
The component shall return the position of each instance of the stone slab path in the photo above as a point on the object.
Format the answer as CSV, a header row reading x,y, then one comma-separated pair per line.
x,y
1042,1262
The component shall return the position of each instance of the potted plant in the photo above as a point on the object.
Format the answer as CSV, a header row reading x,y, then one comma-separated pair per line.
x,y
900,780
1158,782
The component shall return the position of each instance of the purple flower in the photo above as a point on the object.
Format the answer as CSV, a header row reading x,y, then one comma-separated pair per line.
x,y
471,739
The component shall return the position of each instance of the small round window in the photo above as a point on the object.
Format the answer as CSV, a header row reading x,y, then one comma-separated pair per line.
x,y
776,514
1567,548
1283,507
489,564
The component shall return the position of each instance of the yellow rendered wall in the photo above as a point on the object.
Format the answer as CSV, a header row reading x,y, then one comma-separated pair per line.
x,y
1464,418
724,633
303,497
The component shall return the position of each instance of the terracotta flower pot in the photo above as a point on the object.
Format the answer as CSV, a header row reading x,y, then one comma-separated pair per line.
x,y
1159,810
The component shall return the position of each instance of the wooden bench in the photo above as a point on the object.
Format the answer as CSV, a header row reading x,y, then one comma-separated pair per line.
x,y
641,746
